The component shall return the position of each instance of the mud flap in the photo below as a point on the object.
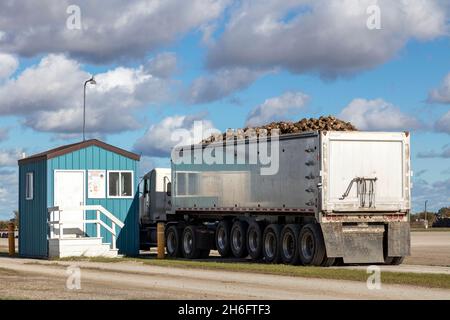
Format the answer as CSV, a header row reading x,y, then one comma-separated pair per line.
x,y
399,239
354,243
205,239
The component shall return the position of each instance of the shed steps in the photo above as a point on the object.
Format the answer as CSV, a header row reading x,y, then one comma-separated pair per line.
x,y
78,247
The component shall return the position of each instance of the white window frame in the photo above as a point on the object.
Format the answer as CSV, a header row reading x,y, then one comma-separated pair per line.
x,y
120,184
29,184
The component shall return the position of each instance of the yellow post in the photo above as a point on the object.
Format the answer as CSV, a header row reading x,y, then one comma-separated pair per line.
x,y
161,239
11,240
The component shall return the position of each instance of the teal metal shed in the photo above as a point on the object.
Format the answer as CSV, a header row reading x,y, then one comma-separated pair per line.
x,y
74,195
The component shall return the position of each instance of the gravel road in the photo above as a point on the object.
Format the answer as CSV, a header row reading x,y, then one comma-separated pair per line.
x,y
430,248
40,279
27,278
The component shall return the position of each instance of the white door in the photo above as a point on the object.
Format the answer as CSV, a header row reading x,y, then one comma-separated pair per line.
x,y
69,193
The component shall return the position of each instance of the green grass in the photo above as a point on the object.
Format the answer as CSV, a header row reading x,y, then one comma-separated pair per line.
x,y
430,230
415,279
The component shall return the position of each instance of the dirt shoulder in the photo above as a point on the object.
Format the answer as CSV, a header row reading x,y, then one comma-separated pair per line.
x,y
138,280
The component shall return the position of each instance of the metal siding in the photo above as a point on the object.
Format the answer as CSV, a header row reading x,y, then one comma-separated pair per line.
x,y
127,210
243,186
33,213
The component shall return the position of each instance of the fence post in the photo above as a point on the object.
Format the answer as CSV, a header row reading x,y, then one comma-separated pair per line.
x,y
161,240
11,239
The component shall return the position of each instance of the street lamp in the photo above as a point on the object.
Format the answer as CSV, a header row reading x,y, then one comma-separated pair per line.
x,y
93,82
426,220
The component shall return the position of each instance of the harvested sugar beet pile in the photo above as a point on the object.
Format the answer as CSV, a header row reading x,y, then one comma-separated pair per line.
x,y
329,123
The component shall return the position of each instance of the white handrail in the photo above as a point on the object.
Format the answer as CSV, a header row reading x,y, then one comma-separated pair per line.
x,y
99,209
108,214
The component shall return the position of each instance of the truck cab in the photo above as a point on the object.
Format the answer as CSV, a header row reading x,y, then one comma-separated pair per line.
x,y
154,202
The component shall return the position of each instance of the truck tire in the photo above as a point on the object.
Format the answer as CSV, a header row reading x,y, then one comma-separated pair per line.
x,y
238,236
173,242
271,243
223,238
289,244
188,243
255,240
311,245
394,261
328,262
338,262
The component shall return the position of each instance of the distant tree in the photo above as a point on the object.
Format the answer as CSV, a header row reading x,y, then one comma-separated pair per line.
x,y
16,218
431,217
444,212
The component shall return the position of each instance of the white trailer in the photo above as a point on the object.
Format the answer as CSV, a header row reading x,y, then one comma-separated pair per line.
x,y
334,197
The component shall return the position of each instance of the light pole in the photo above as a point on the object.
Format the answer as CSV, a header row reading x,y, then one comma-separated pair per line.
x,y
426,220
93,82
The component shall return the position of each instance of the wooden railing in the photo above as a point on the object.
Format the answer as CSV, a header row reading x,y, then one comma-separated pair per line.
x,y
53,222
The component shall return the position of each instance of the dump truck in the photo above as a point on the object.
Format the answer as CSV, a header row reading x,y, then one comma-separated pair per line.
x,y
324,198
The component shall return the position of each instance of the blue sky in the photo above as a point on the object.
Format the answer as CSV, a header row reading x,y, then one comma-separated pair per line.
x,y
218,61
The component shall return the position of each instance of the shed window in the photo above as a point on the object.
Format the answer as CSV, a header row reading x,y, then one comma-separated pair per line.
x,y
120,184
29,190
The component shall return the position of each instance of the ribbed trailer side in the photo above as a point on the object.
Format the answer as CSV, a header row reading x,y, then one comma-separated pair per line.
x,y
241,186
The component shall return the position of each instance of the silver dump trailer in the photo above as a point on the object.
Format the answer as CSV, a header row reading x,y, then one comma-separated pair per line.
x,y
312,198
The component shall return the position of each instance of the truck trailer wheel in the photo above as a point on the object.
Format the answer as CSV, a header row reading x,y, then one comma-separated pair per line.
x,y
289,244
238,236
394,261
188,243
173,242
271,243
328,262
223,238
254,240
311,245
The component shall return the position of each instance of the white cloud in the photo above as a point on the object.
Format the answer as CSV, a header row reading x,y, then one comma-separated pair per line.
x,y
325,36
8,192
378,115
49,96
8,65
163,65
9,157
278,108
442,93
158,141
110,31
437,193
443,124
221,84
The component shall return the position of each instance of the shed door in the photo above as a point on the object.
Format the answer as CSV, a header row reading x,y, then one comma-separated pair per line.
x,y
69,193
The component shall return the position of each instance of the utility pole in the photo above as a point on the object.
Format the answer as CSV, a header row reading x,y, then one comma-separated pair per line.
x,y
426,220
93,82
